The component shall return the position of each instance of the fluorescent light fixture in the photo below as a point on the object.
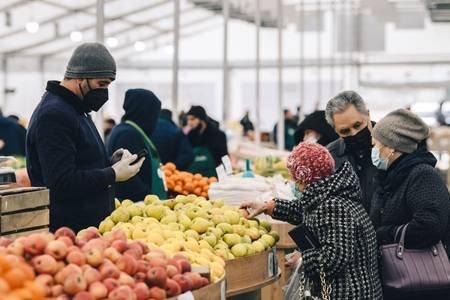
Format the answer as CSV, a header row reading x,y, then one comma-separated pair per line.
x,y
139,46
112,42
76,36
32,27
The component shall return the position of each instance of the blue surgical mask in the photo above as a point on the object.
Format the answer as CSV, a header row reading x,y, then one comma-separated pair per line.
x,y
296,192
378,161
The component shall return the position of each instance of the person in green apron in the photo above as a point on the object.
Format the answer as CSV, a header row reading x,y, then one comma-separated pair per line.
x,y
208,141
142,109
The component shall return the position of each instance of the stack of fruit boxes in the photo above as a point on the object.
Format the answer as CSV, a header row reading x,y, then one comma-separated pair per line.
x,y
24,211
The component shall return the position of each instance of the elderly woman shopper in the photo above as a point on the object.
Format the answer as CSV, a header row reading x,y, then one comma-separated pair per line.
x,y
409,190
330,209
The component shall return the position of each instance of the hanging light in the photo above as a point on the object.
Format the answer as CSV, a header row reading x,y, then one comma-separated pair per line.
x,y
76,36
112,42
139,46
32,27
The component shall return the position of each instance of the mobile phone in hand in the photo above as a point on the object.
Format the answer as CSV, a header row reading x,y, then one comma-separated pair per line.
x,y
141,154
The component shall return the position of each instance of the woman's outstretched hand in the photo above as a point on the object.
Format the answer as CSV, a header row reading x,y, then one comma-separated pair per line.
x,y
255,207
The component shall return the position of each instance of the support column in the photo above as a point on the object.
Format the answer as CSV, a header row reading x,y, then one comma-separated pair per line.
x,y
100,38
175,62
225,84
280,132
257,73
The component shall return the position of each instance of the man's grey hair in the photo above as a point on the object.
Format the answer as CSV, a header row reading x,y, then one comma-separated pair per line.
x,y
341,102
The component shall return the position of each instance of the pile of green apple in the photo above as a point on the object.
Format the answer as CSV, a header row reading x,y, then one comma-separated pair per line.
x,y
206,231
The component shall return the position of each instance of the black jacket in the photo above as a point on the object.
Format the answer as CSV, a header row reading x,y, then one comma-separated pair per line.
x,y
212,138
317,122
362,165
413,192
12,136
142,107
331,210
172,144
66,154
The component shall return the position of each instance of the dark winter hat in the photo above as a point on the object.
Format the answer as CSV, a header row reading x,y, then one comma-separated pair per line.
x,y
198,112
166,114
401,130
91,60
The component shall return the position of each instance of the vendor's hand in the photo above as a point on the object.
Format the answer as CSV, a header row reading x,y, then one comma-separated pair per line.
x,y
124,169
254,207
293,260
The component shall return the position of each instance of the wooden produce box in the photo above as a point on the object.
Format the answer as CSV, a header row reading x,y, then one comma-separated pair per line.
x,y
251,273
215,291
24,211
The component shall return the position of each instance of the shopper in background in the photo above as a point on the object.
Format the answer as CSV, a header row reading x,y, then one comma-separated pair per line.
x,y
298,115
12,137
208,141
247,124
348,115
289,130
171,142
142,109
314,128
409,190
329,208
182,119
108,125
64,150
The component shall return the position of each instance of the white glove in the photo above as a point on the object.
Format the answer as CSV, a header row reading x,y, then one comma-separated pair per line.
x,y
123,168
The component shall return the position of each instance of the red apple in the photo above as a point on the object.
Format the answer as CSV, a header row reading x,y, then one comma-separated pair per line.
x,y
144,247
61,276
142,292
84,296
143,266
98,290
180,256
125,279
65,231
60,265
118,234
111,284
94,256
196,279
140,276
57,290
157,276
46,281
44,264
15,248
109,271
122,293
157,293
185,265
56,249
91,275
205,281
112,254
66,240
127,264
120,245
158,262
136,253
184,282
136,246
173,288
5,242
74,284
76,257
172,270
62,297
35,244
153,254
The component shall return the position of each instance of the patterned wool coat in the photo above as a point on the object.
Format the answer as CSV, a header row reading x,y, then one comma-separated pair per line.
x,y
331,210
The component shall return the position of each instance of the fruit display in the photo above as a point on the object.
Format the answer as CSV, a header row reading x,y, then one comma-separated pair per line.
x,y
271,165
207,232
89,266
186,183
17,279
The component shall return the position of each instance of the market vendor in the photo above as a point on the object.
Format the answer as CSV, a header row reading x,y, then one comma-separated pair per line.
x,y
142,109
208,141
314,128
64,150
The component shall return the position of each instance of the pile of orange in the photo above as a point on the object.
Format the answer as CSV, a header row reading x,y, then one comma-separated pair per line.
x,y
186,183
16,280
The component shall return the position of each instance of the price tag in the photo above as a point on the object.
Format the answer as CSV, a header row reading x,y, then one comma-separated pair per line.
x,y
186,296
221,174
270,262
227,165
223,290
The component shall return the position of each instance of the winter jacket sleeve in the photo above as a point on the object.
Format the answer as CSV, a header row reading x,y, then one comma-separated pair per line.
x,y
219,147
288,211
57,157
428,199
185,154
336,237
138,186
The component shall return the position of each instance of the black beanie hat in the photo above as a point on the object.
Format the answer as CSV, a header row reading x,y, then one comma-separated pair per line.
x,y
198,112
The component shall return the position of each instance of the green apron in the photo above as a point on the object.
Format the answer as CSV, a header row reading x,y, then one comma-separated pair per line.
x,y
158,184
203,163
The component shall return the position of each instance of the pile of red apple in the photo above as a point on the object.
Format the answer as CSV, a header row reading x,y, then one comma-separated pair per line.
x,y
89,266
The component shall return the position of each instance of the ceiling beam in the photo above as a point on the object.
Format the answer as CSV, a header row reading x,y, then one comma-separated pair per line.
x,y
87,27
14,5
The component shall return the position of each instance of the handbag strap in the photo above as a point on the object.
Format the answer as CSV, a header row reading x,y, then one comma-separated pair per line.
x,y
401,244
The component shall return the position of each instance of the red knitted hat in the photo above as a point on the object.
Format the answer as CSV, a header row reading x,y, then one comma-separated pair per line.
x,y
309,162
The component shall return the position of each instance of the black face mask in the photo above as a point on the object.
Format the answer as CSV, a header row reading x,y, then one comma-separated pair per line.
x,y
95,98
360,141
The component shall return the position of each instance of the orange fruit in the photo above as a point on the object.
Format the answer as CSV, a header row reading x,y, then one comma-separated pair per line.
x,y
178,189
171,166
189,187
212,179
167,173
206,188
27,270
175,177
198,176
204,194
15,278
203,182
4,286
198,191
36,290
170,183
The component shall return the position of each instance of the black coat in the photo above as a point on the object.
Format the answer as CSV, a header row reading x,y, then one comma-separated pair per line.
x,y
66,154
12,136
331,210
317,122
362,165
142,107
172,144
212,138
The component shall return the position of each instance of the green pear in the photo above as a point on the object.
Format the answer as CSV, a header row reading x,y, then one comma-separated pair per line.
x,y
170,203
266,225
117,203
258,246
239,229
106,225
155,211
134,210
232,217
196,212
275,235
184,220
120,215
239,250
192,234
137,220
200,225
127,202
253,233
226,228
217,219
232,239
221,245
169,218
150,199
246,239
253,223
216,231
269,239
217,203
250,249
205,204
210,238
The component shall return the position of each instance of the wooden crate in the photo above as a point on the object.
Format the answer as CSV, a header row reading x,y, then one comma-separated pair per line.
x,y
215,291
250,273
23,211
